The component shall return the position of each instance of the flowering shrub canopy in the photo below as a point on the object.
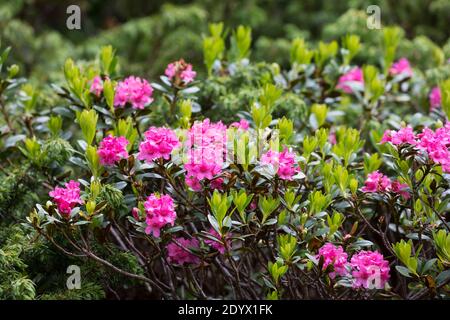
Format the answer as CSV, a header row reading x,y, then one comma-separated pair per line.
x,y
329,179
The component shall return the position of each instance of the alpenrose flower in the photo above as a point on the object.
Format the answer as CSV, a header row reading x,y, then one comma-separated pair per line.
x,y
283,162
353,76
207,143
180,70
402,66
402,136
160,211
436,144
435,98
207,134
135,213
336,256
242,125
401,189
67,198
377,182
158,143
369,270
134,90
218,245
203,163
96,86
112,149
178,251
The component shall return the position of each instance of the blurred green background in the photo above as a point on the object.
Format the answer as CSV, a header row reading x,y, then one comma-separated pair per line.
x,y
149,34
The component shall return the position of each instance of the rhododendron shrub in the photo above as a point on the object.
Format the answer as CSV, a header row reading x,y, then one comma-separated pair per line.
x,y
325,180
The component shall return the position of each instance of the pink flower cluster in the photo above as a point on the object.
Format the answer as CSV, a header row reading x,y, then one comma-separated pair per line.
x,y
435,98
353,76
378,182
96,86
283,162
436,144
370,270
207,143
158,143
402,66
134,90
242,125
67,198
178,251
218,245
160,210
336,256
180,70
402,136
112,149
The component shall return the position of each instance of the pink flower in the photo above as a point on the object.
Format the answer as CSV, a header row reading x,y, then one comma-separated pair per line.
x,y
171,70
436,144
135,213
158,143
178,251
67,198
332,138
435,98
376,182
400,188
96,86
353,76
284,163
203,164
188,75
207,143
160,210
402,136
336,256
134,90
112,149
242,124
369,270
216,184
218,244
193,183
180,71
207,134
401,67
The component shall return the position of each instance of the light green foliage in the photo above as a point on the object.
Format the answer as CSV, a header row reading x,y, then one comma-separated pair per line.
x,y
267,205
442,244
352,45
300,54
241,41
220,205
391,36
403,250
318,202
87,120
